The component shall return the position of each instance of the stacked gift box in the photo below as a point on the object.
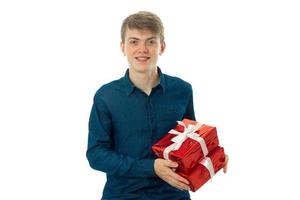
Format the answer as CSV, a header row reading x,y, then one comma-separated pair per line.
x,y
195,147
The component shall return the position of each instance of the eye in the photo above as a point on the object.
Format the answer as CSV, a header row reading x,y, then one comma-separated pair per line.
x,y
133,42
152,41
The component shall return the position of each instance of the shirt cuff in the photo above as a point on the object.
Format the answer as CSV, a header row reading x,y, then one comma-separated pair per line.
x,y
147,166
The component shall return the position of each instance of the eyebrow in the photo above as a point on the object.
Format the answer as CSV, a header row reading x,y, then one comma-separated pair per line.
x,y
135,38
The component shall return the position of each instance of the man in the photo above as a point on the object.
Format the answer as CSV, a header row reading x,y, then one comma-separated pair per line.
x,y
132,113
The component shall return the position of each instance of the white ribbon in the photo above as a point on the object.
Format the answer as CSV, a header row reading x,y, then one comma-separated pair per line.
x,y
189,132
206,162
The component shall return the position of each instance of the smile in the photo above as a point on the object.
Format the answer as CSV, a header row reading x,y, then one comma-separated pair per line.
x,y
142,58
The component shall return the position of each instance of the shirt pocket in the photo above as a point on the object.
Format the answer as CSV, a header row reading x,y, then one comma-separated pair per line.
x,y
169,113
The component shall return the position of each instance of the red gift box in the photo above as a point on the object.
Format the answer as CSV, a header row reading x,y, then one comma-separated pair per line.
x,y
205,168
191,145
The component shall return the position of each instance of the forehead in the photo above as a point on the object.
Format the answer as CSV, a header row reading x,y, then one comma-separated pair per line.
x,y
140,34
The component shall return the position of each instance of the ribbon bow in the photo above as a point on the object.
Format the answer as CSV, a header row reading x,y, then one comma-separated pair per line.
x,y
189,132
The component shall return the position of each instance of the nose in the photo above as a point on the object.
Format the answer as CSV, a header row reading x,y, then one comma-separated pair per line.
x,y
143,47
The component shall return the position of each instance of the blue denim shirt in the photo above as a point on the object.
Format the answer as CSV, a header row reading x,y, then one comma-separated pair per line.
x,y
124,123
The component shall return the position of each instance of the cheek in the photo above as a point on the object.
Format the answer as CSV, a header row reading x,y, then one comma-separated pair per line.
x,y
156,53
131,51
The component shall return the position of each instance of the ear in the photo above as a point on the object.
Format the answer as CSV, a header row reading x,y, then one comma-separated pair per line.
x,y
122,46
162,48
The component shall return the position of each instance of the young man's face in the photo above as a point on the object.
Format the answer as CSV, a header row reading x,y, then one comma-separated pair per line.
x,y
142,48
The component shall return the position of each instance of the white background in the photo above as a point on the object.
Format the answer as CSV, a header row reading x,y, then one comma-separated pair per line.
x,y
240,56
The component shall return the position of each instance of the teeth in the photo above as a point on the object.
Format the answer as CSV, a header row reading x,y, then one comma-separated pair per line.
x,y
142,58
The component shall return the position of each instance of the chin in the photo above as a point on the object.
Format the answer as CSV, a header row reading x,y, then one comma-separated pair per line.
x,y
141,68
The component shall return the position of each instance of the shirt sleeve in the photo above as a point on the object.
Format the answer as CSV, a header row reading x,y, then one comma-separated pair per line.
x,y
100,152
190,114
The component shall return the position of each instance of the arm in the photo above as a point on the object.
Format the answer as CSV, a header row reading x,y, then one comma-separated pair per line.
x,y
189,113
100,152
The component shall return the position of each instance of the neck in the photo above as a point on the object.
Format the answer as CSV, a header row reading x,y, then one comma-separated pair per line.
x,y
144,80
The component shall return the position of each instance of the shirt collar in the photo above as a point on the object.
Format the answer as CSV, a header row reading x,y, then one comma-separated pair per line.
x,y
130,87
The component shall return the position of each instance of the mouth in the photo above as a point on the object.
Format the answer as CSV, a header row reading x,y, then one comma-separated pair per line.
x,y
142,58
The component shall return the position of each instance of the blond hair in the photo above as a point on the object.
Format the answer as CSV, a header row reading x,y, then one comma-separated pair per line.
x,y
143,20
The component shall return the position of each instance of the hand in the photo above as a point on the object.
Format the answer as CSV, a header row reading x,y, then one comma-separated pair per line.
x,y
165,170
226,163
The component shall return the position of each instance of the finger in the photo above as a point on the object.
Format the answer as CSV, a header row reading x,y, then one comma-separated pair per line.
x,y
171,164
226,163
179,178
178,184
226,158
181,186
225,169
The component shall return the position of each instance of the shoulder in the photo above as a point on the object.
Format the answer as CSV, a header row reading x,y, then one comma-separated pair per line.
x,y
174,82
109,89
